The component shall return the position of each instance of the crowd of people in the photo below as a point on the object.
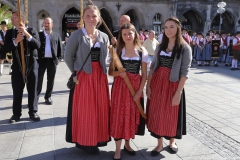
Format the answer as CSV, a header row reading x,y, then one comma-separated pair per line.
x,y
214,48
95,115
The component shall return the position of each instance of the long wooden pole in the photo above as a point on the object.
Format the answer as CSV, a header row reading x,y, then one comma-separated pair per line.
x,y
81,14
26,10
23,64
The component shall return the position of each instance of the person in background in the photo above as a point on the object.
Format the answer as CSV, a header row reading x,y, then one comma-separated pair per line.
x,y
161,36
2,51
141,36
49,55
236,51
64,46
124,19
146,34
150,45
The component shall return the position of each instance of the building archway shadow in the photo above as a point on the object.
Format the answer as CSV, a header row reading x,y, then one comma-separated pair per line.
x,y
8,97
27,124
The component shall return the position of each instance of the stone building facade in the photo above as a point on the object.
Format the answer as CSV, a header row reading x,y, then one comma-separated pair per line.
x,y
195,15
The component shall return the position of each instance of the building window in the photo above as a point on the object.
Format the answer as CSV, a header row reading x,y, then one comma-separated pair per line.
x,y
157,23
41,16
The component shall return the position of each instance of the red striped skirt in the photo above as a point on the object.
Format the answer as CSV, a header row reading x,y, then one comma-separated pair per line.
x,y
91,108
125,116
162,116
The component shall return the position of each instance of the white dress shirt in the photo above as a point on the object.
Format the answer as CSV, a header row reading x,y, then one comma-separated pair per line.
x,y
48,52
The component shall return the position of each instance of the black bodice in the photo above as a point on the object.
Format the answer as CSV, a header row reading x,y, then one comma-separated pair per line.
x,y
132,66
95,54
165,61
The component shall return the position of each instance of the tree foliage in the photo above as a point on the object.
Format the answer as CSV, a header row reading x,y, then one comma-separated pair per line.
x,y
5,15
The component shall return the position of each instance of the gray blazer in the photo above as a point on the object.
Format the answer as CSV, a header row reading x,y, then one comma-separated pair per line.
x,y
180,66
78,48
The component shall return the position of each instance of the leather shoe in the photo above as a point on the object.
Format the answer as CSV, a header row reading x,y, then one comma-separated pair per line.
x,y
154,153
116,158
34,117
14,119
131,153
49,101
173,148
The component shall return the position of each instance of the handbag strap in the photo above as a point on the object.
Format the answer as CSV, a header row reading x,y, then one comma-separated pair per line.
x,y
84,63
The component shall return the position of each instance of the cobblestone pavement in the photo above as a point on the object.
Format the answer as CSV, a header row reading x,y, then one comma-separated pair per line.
x,y
213,123
223,145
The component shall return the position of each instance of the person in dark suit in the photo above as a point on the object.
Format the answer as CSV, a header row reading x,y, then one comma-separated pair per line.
x,y
31,43
123,20
49,55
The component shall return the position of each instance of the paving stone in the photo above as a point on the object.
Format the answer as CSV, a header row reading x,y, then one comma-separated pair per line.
x,y
11,144
37,147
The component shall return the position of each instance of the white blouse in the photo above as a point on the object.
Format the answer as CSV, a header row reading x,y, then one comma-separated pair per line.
x,y
144,55
97,44
169,54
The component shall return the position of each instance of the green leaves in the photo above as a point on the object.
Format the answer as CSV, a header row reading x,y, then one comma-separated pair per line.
x,y
5,15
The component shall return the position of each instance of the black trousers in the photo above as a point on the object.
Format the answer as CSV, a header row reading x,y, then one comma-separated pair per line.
x,y
18,86
49,65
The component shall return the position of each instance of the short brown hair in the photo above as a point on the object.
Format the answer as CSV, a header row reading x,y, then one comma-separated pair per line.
x,y
23,15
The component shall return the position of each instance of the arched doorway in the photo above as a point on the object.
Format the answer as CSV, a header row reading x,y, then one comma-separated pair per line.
x,y
227,25
11,5
134,19
192,21
69,21
107,19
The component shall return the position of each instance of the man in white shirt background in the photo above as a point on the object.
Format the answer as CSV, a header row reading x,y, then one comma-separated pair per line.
x,y
150,44
49,55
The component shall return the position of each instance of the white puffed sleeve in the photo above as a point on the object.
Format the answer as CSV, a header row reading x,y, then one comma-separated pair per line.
x,y
144,55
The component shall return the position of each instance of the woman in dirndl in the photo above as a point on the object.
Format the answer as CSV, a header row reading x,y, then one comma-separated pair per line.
x,y
207,51
126,121
166,111
89,101
199,49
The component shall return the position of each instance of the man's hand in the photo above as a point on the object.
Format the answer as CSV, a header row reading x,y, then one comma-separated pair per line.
x,y
113,41
19,37
2,42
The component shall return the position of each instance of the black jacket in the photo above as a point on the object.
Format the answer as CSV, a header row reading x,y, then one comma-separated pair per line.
x,y
56,46
30,48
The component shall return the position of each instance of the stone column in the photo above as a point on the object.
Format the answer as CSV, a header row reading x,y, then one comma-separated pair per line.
x,y
208,22
175,3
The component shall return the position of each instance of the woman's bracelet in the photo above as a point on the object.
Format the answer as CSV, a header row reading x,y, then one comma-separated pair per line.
x,y
180,92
